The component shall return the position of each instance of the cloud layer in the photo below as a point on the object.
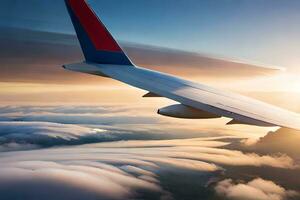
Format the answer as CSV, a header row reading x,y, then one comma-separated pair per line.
x,y
120,170
97,152
34,49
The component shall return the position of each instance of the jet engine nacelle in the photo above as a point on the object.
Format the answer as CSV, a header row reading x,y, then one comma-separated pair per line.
x,y
187,112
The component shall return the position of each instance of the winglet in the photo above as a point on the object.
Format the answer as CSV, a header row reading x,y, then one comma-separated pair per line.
x,y
96,42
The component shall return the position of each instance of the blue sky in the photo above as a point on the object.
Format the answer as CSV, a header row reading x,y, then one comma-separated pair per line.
x,y
264,31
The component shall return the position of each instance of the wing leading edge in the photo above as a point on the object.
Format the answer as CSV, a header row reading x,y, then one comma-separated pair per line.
x,y
112,62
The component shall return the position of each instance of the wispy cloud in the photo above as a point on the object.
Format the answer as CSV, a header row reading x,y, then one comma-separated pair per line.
x,y
197,149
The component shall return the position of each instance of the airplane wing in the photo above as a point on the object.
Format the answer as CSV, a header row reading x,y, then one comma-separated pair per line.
x,y
104,57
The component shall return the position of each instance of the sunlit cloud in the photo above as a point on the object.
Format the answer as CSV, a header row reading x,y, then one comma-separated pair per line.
x,y
283,140
257,189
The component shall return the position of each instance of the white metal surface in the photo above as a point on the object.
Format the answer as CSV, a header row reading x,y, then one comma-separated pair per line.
x,y
202,97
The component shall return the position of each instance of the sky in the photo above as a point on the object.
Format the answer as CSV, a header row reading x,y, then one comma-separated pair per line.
x,y
261,31
66,135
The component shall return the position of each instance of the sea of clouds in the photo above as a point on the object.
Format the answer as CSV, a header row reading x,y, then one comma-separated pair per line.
x,y
107,152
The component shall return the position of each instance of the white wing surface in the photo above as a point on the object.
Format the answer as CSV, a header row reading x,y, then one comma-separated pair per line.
x,y
105,57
